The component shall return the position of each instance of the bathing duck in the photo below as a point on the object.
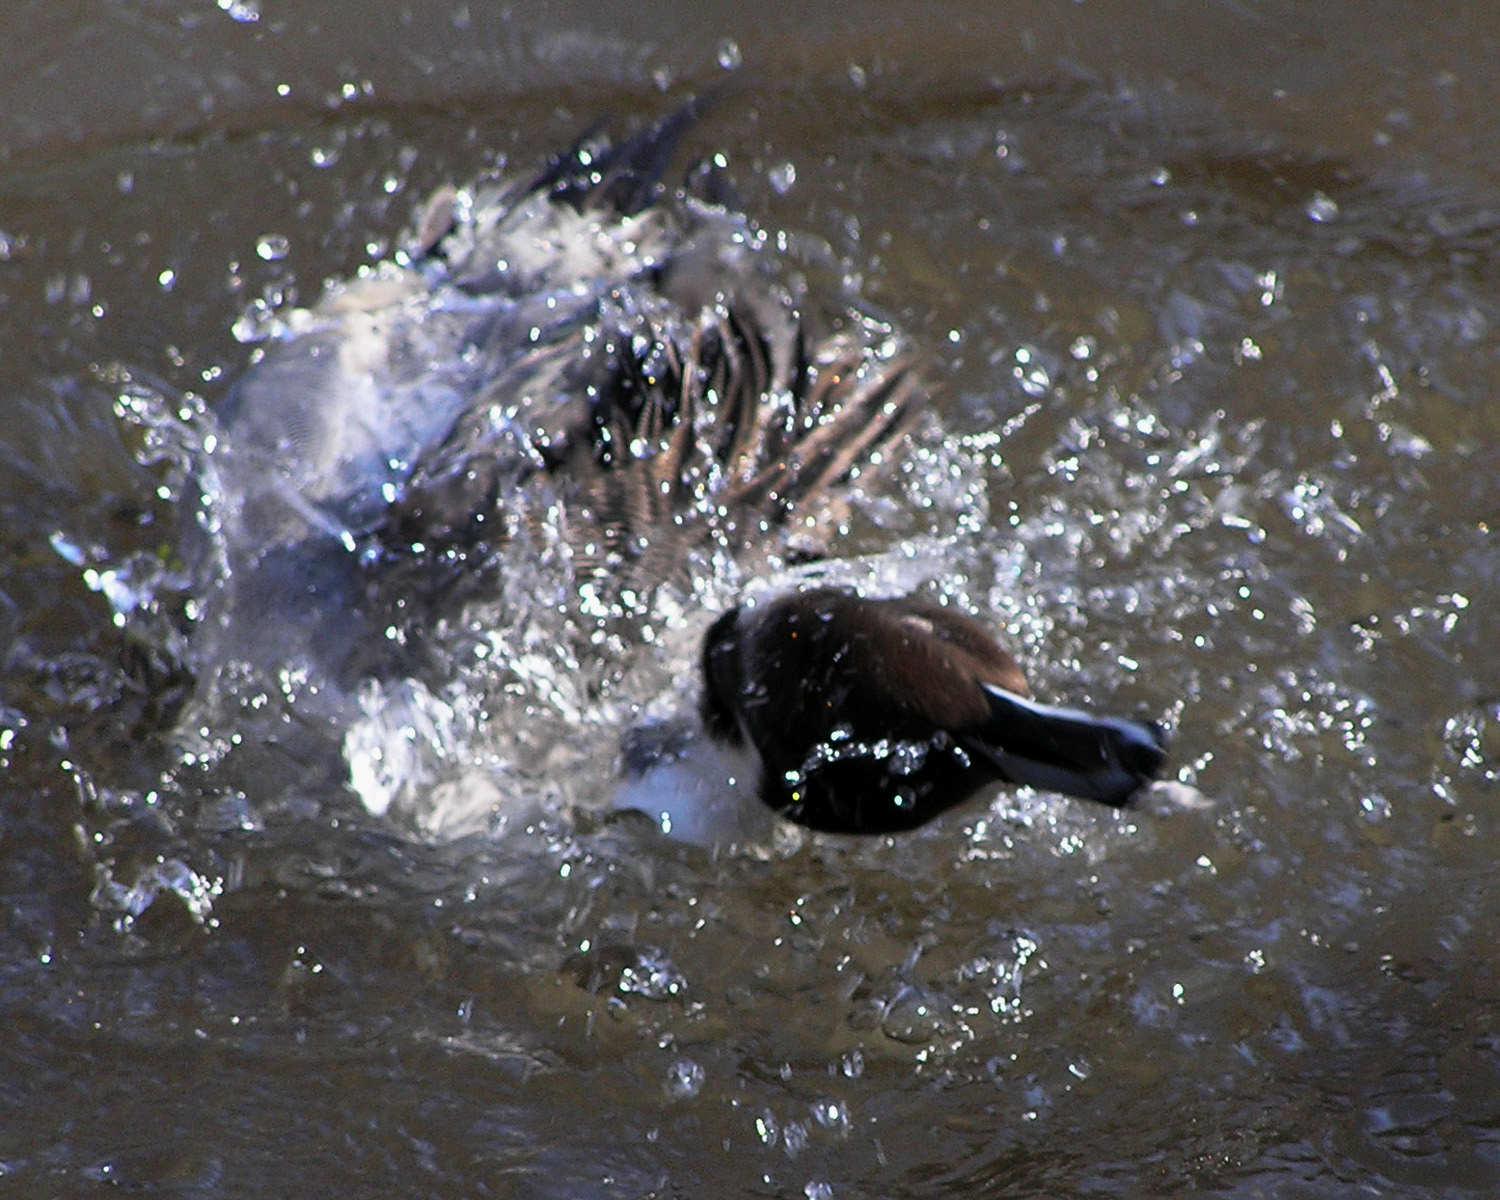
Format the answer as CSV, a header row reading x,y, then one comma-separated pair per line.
x,y
875,715
590,362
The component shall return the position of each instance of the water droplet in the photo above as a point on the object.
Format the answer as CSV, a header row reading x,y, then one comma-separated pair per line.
x,y
684,1079
273,247
1030,372
907,758
1375,808
729,55
1322,208
910,1017
246,12
830,1114
654,976
229,811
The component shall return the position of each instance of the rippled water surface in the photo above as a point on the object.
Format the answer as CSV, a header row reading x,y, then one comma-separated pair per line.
x,y
1209,298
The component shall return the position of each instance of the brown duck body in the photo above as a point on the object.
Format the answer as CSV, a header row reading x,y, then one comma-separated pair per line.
x,y
585,359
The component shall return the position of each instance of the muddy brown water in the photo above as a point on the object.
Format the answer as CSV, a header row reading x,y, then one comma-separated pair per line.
x,y
1211,292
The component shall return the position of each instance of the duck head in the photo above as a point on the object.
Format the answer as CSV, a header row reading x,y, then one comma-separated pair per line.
x,y
874,716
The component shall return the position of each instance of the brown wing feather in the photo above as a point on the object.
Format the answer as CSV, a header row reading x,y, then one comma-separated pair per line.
x,y
929,661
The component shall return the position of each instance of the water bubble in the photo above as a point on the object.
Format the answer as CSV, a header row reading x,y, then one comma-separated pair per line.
x,y
167,876
910,1018
255,324
729,56
1375,808
1472,740
654,976
67,549
684,1079
831,1114
273,247
246,12
1322,208
907,758
229,811
1030,372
